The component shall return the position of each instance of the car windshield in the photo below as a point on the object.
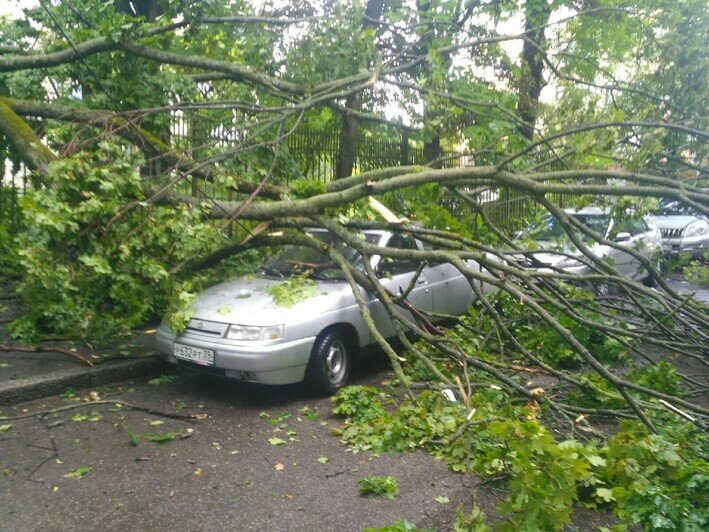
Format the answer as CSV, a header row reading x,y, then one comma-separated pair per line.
x,y
298,260
549,227
669,206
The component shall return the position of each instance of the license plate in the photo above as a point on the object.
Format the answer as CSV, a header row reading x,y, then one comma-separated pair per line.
x,y
197,355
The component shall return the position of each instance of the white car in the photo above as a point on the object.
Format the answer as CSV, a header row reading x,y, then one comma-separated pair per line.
x,y
557,253
238,329
683,229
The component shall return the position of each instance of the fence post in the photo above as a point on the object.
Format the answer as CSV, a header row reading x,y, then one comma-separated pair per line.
x,y
404,149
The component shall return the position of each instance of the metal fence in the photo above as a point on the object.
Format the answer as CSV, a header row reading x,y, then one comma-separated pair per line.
x,y
315,155
12,187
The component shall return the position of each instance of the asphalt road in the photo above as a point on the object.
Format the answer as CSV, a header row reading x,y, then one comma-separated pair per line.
x,y
219,472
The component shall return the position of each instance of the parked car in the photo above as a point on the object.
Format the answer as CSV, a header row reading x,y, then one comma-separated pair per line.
x,y
556,252
683,229
238,330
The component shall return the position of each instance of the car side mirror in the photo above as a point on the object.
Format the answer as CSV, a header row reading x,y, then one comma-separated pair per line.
x,y
622,237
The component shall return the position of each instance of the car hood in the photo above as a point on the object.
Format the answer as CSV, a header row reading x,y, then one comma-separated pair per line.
x,y
550,252
674,221
246,301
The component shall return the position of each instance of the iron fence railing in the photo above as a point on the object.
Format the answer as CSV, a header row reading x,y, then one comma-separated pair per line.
x,y
12,187
315,155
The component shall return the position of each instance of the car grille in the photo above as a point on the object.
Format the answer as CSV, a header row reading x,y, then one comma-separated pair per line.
x,y
671,233
207,328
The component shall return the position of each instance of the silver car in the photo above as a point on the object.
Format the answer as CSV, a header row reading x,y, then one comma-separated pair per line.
x,y
683,229
238,330
556,252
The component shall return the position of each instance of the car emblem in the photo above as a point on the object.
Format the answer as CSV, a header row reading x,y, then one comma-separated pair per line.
x,y
199,324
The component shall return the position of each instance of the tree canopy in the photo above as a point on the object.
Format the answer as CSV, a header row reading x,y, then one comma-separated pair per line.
x,y
161,141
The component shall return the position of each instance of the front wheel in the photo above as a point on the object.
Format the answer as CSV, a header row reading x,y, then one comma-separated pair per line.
x,y
649,281
330,363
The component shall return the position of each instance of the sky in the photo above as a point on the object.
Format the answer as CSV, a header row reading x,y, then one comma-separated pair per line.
x,y
14,7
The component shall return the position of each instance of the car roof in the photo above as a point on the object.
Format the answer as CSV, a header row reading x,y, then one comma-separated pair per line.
x,y
379,232
589,211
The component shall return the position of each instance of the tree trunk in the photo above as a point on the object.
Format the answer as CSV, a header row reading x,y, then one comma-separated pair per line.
x,y
531,80
349,135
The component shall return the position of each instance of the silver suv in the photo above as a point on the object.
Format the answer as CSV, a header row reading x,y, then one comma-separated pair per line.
x,y
683,229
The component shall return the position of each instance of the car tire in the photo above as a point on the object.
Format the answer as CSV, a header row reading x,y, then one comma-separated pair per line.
x,y
330,363
649,280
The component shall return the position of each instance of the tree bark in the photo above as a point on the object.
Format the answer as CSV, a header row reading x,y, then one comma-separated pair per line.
x,y
23,139
349,134
531,80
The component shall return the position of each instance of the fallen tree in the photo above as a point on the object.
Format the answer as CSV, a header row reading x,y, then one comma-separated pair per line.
x,y
135,219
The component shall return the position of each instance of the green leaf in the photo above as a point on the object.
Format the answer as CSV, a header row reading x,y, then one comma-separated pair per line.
x,y
162,379
605,494
292,291
133,439
379,486
323,460
441,500
156,422
79,472
162,438
276,441
280,419
597,460
5,428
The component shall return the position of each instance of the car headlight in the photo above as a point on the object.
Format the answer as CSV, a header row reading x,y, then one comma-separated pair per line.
x,y
696,228
252,332
568,262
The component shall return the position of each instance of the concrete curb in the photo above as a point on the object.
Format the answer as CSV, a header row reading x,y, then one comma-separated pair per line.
x,y
56,382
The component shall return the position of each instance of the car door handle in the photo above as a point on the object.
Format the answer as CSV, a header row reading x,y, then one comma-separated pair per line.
x,y
422,279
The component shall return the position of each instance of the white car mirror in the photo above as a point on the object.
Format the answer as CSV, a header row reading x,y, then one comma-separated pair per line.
x,y
622,237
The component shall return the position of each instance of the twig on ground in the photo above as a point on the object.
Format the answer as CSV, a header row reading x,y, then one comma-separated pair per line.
x,y
46,349
43,413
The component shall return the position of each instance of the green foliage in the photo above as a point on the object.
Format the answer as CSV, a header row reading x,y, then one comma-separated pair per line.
x,y
698,272
540,338
401,525
658,480
109,263
162,438
433,207
661,377
292,291
79,472
379,486
9,259
654,480
162,379
473,521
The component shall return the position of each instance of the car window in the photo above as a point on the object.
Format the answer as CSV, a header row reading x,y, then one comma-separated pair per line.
x,y
634,226
295,260
639,226
549,227
396,266
670,206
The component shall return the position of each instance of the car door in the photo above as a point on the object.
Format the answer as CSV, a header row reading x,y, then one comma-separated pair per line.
x,y
396,275
638,231
452,293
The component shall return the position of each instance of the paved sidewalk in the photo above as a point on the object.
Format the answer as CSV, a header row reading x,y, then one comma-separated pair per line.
x,y
27,376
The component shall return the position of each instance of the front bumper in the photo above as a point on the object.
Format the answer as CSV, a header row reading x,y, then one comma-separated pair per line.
x,y
694,245
278,363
